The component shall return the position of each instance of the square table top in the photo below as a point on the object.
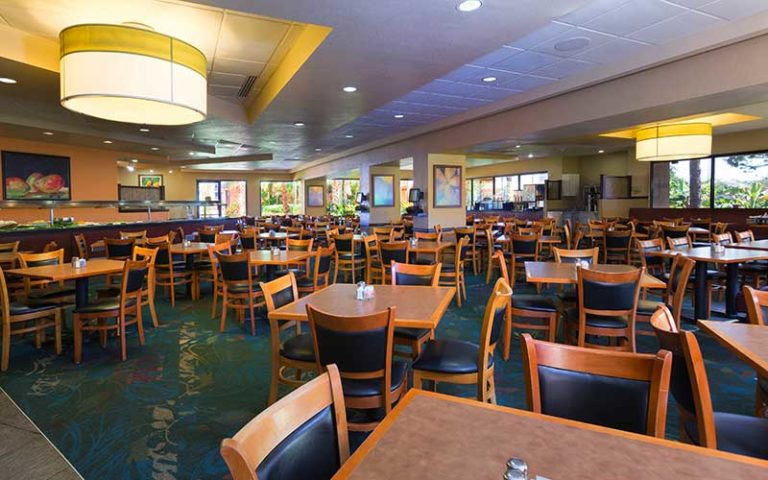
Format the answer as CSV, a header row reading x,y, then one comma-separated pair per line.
x,y
65,271
277,235
748,342
417,307
283,257
705,254
754,245
429,246
565,273
430,435
192,248
542,239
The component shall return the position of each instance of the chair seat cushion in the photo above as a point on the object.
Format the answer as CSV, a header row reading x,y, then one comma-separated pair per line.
x,y
25,308
423,261
103,305
741,434
299,347
753,267
597,321
350,256
242,289
647,307
535,303
411,333
51,293
177,266
108,292
448,267
370,388
449,356
201,265
305,281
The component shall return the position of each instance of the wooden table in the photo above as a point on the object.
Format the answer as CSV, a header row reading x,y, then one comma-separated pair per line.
x,y
565,273
429,246
755,245
731,258
748,342
193,248
548,239
273,260
417,307
277,236
57,273
430,435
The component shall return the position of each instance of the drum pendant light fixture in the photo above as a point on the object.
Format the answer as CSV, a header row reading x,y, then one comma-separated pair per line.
x,y
129,74
673,142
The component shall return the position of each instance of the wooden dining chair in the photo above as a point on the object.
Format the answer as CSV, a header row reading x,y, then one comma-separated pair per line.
x,y
169,273
304,435
381,233
607,303
137,235
722,238
207,235
118,249
452,272
618,244
392,252
372,260
621,390
673,298
125,310
654,265
567,294
361,347
240,291
349,256
299,245
21,318
757,313
217,285
466,363
318,275
420,275
470,254
81,246
295,352
700,424
148,293
248,239
522,248
43,289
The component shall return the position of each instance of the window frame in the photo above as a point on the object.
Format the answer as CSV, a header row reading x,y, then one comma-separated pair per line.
x,y
470,206
300,191
219,180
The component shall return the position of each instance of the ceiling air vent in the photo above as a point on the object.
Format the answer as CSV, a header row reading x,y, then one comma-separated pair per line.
x,y
245,89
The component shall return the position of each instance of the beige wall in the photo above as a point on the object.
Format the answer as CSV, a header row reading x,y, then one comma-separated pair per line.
x,y
380,215
316,211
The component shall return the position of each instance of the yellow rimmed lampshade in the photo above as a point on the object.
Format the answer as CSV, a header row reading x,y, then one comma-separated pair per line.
x,y
133,75
673,142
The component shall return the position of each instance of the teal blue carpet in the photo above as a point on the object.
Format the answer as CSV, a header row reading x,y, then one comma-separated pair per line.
x,y
162,413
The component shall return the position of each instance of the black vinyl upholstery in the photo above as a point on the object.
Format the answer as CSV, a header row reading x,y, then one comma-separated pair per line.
x,y
23,308
104,305
600,400
609,296
524,246
411,333
411,279
535,303
207,237
373,387
299,347
41,263
119,251
449,356
309,452
283,297
398,256
363,351
740,434
234,271
248,243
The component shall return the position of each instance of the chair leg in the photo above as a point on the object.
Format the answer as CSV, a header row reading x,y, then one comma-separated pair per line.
x,y
274,382
458,290
173,293
252,312
215,298
6,346
57,330
140,325
123,346
152,310
223,312
417,381
78,338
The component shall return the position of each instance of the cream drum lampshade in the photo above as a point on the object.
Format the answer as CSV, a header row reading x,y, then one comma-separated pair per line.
x,y
133,75
674,142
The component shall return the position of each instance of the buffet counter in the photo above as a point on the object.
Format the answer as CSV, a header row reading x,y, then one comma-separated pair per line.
x,y
36,236
519,214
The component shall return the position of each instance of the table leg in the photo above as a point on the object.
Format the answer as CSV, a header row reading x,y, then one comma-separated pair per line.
x,y
700,292
271,272
731,288
81,292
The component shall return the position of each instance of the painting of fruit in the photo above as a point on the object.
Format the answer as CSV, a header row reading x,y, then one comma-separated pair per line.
x,y
30,176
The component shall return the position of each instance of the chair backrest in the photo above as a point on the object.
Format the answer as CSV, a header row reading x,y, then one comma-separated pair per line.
x,y
608,293
525,245
360,346
371,245
652,245
393,251
320,265
162,238
214,250
296,245
424,275
303,435
496,309
462,247
180,235
679,243
616,240
688,383
345,243
757,305
248,239
589,255
280,291
119,248
13,247
28,260
722,238
135,234
148,254
468,233
674,232
626,391
720,227
81,245
163,258
502,262
134,273
230,238
679,276
50,246
745,236
207,235
578,236
235,269
432,236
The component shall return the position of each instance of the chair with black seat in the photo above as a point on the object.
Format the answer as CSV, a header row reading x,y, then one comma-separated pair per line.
x,y
621,390
617,246
170,273
421,275
81,246
118,249
372,260
381,233
675,231
248,239
319,271
674,295
240,292
452,272
302,436
297,351
465,363
528,312
148,295
713,275
470,254
724,238
607,302
588,256
207,235
361,347
20,318
757,312
43,289
421,258
655,265
392,252
700,424
217,288
95,316
137,235
522,248
349,256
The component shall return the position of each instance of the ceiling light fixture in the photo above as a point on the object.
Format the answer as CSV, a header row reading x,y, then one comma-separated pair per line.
x,y
154,148
151,171
48,133
129,168
170,171
134,160
8,81
134,75
349,136
350,89
490,79
144,130
318,149
517,146
530,155
399,116
298,124
601,151
107,141
673,142
469,5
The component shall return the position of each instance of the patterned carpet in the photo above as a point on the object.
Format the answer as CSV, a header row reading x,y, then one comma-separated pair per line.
x,y
162,413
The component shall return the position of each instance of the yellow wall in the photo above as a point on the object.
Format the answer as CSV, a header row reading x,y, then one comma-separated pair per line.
x,y
316,211
445,217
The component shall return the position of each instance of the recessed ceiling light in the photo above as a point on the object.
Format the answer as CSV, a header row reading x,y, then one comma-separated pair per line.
x,y
572,44
7,80
350,89
349,136
151,171
601,151
399,115
144,130
129,168
107,141
530,155
170,171
48,133
298,124
318,149
517,146
469,5
133,160
490,79
193,153
154,148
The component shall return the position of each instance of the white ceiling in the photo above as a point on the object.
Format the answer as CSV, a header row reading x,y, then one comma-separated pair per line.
x,y
424,60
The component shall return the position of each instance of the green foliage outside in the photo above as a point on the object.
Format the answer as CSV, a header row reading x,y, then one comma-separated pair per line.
x,y
279,198
341,196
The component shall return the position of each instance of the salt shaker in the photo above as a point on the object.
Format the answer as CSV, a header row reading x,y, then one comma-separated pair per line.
x,y
361,291
369,292
75,262
518,465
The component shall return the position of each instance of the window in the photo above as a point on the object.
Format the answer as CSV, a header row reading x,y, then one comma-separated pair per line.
x,y
231,194
727,181
504,189
482,189
405,188
341,196
281,197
